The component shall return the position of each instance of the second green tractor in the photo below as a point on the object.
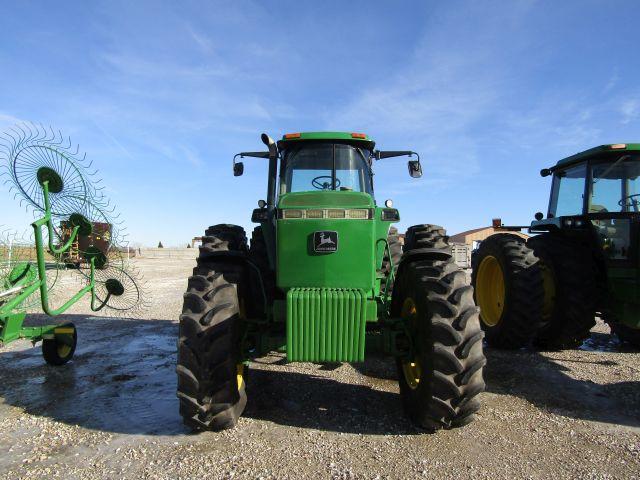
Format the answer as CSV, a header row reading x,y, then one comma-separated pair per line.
x,y
583,260
325,278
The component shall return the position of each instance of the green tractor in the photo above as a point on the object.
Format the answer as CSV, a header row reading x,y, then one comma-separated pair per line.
x,y
584,260
325,279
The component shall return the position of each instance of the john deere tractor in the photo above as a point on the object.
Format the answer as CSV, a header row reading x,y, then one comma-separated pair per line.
x,y
325,279
583,261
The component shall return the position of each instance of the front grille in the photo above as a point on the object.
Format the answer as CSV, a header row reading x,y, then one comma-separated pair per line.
x,y
326,325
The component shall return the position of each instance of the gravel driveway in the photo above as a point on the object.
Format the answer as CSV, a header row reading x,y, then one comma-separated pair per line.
x,y
112,411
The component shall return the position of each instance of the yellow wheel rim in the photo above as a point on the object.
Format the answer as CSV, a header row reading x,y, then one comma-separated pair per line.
x,y
549,284
240,375
412,373
490,291
240,366
63,350
412,369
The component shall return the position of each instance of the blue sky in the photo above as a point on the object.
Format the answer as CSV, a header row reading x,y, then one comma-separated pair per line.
x,y
162,94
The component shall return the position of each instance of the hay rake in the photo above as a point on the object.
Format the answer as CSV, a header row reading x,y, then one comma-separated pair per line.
x,y
74,221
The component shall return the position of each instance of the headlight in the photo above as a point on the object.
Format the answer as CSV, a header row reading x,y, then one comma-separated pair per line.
x,y
260,215
390,215
333,213
358,213
291,213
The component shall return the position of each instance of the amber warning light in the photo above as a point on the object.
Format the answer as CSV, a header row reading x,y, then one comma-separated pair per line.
x,y
496,222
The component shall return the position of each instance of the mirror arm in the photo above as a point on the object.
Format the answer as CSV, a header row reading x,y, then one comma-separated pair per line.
x,y
253,154
250,154
240,169
379,155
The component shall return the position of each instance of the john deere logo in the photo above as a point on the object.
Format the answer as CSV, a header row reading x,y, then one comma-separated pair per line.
x,y
326,241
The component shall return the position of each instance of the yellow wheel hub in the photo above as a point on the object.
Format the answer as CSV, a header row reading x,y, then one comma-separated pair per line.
x,y
549,284
240,366
412,370
490,290
240,375
412,373
63,349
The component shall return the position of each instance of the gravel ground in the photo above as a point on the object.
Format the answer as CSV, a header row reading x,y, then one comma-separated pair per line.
x,y
112,411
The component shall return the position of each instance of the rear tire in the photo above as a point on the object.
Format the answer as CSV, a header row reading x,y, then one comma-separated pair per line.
x,y
224,237
210,371
626,334
392,256
259,257
571,303
426,236
508,287
439,385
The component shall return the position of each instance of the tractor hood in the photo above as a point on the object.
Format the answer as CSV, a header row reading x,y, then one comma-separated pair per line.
x,y
328,199
326,239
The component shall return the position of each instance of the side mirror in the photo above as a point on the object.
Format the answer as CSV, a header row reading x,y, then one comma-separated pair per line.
x,y
415,169
238,169
545,172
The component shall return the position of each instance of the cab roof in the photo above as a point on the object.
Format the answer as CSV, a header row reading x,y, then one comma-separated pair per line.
x,y
592,152
353,138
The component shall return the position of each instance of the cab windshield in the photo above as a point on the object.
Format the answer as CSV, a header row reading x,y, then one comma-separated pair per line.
x,y
326,166
614,186
567,191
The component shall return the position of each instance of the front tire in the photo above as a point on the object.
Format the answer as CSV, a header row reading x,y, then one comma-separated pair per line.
x,y
440,381
210,369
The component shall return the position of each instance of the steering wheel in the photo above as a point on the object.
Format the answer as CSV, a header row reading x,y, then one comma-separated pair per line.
x,y
324,185
632,203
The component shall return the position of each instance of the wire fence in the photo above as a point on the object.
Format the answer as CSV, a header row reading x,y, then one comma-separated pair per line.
x,y
165,252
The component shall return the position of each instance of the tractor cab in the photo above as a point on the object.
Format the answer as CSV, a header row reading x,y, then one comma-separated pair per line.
x,y
321,210
326,166
599,189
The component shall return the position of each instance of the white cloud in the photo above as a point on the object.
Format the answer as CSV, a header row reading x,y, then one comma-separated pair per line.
x,y
613,81
201,40
630,110
7,120
451,86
